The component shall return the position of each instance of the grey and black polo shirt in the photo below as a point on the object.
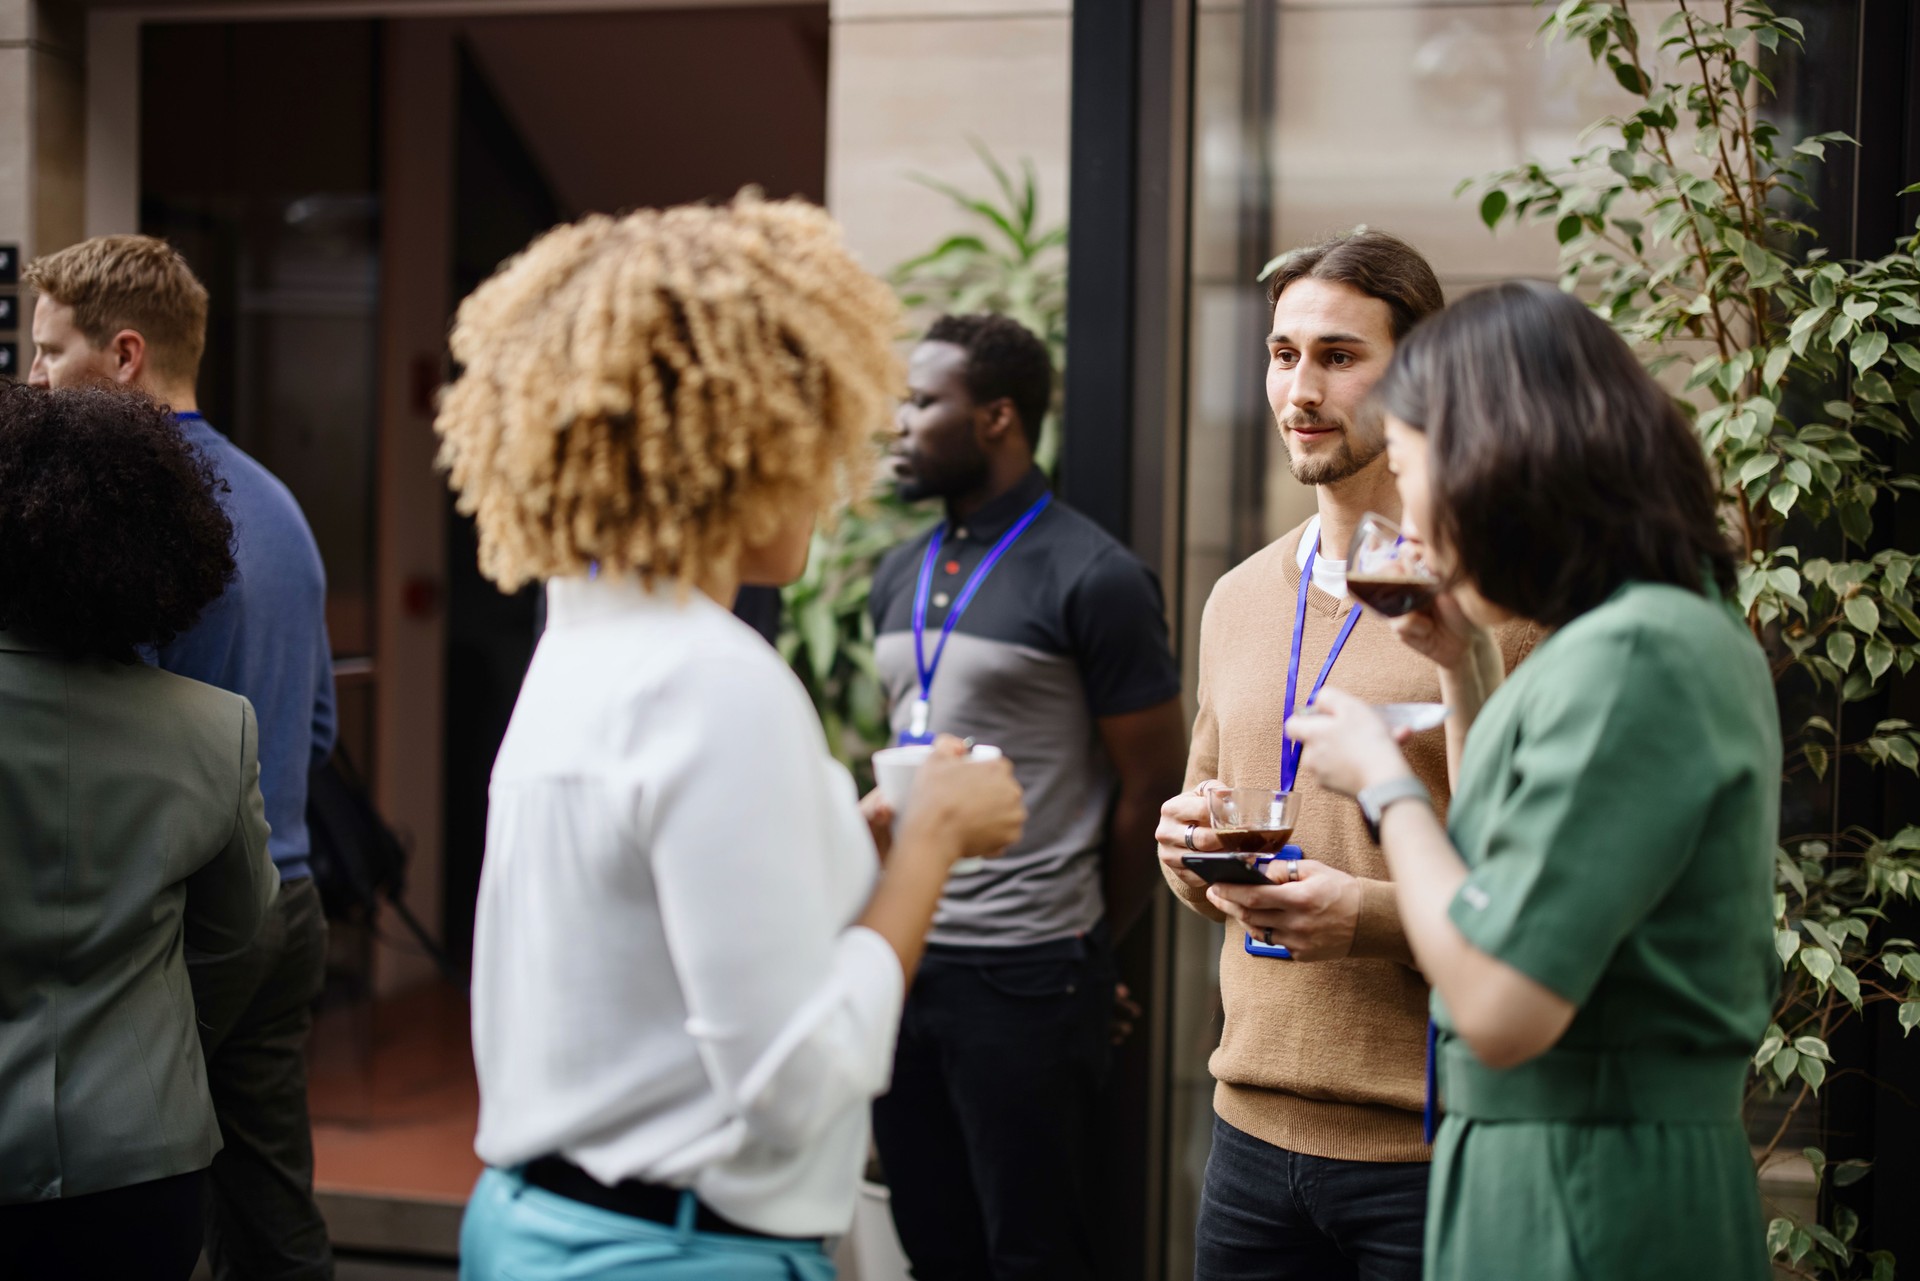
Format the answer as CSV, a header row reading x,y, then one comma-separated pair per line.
x,y
1068,628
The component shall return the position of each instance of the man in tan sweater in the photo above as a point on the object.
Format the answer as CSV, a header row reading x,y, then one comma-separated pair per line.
x,y
1319,1167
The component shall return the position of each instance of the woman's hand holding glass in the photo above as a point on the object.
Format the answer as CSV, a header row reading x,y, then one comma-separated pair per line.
x,y
1347,744
1440,632
1388,571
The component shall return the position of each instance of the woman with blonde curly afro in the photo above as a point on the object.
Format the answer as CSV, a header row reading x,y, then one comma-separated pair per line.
x,y
690,958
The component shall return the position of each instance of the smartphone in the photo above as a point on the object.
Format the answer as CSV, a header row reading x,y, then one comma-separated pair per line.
x,y
1225,869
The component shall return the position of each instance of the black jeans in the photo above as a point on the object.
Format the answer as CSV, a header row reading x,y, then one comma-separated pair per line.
x,y
1274,1215
147,1230
987,1134
256,1010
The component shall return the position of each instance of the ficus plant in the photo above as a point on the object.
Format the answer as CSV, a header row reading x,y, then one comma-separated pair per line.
x,y
1684,224
1003,259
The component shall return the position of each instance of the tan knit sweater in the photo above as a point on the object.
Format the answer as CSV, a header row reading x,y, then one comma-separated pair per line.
x,y
1325,1058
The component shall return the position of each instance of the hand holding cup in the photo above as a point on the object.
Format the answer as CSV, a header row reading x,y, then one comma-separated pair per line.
x,y
1186,827
967,804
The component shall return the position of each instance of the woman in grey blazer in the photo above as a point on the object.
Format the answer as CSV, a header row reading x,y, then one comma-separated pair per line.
x,y
131,826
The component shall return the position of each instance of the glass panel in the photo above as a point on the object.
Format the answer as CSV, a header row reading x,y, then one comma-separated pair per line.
x,y
258,162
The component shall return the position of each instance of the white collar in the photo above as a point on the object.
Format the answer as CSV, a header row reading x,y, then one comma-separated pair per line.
x,y
572,601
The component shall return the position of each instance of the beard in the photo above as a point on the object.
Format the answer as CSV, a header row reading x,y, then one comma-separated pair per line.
x,y
1350,454
919,478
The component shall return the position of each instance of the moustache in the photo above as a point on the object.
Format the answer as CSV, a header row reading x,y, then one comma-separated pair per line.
x,y
1316,422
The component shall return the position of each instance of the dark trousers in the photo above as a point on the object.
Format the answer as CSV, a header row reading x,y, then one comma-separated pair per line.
x,y
256,1010
987,1136
147,1230
1267,1214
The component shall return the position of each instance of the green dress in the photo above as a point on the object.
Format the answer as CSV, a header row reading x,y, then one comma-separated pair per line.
x,y
1618,810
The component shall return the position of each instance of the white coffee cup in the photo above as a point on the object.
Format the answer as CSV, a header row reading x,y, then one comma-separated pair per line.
x,y
894,769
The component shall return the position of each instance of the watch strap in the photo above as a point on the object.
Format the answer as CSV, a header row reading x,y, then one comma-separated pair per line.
x,y
1375,800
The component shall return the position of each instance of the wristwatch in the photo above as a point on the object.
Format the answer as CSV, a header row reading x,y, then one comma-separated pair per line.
x,y
1375,800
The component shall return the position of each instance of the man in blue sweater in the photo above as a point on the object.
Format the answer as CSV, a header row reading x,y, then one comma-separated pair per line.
x,y
128,310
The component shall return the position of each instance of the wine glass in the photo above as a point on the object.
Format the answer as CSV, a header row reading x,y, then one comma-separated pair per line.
x,y
1385,572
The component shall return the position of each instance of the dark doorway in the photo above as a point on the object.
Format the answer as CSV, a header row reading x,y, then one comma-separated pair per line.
x,y
558,116
501,201
259,162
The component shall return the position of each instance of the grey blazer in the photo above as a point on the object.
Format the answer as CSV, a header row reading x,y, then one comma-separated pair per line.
x,y
131,826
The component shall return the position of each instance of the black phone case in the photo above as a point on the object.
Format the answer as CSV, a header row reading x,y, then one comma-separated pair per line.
x,y
1224,869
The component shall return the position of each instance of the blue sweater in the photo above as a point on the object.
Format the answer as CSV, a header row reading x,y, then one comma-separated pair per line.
x,y
266,638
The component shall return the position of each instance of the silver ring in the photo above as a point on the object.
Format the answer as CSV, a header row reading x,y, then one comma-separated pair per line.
x,y
1293,870
1189,838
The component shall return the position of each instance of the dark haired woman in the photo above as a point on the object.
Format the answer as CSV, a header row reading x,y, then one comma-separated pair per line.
x,y
1595,917
131,825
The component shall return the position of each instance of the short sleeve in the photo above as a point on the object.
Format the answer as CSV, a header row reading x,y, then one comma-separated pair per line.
x,y
1604,802
1116,623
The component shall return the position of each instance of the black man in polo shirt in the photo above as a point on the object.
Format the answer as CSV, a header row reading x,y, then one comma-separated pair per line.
x,y
1020,623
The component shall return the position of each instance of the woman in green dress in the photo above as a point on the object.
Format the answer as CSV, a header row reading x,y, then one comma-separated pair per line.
x,y
1595,916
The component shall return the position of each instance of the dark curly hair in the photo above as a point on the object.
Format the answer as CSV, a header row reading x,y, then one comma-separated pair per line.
x,y
1004,359
110,535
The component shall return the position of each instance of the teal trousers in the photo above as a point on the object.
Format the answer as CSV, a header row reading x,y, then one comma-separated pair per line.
x,y
514,1231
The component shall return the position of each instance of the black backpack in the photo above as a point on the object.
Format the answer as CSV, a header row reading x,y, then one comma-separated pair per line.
x,y
357,859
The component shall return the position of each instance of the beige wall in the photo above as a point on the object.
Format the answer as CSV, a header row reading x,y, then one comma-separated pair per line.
x,y
42,134
911,81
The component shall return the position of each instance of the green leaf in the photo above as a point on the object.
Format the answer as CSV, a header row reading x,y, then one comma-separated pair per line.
x,y
1818,962
1781,497
1776,365
1873,387
1848,1173
1813,1072
1834,1245
1901,749
1856,522
1867,350
1788,1059
1755,467
1879,655
1779,1232
1841,647
1492,206
1754,259
821,635
1568,228
1909,1016
1847,983
1813,1047
1859,309
1816,759
1863,614
1631,78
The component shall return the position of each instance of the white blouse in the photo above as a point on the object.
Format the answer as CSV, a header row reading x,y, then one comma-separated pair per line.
x,y
667,984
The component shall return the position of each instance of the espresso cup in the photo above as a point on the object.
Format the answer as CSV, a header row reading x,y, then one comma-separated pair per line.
x,y
894,769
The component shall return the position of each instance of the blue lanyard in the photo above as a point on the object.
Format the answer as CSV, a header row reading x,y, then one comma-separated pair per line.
x,y
190,416
1289,749
918,731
